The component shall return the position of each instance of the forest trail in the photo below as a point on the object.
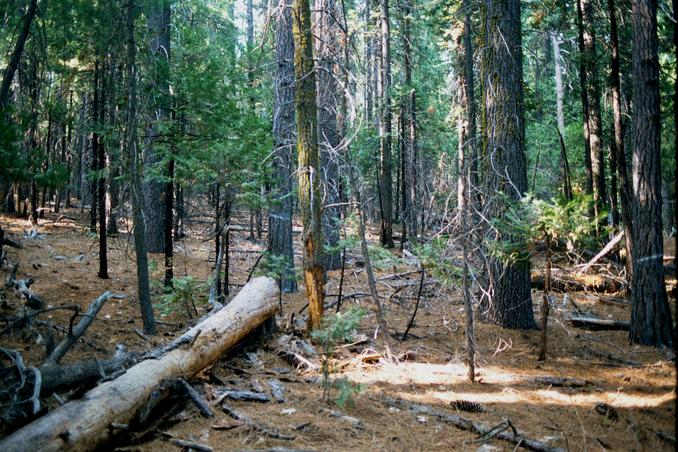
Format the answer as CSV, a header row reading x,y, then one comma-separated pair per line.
x,y
595,367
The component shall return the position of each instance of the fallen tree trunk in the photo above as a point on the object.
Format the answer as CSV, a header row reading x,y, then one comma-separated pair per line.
x,y
596,323
561,282
85,424
609,247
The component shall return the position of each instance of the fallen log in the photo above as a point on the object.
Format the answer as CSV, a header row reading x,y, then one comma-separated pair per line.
x,y
596,323
55,376
612,243
84,424
561,282
74,333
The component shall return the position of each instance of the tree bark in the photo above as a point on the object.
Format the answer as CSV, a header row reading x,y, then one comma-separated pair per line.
x,y
327,31
594,123
310,200
280,238
385,138
510,303
154,189
621,166
85,424
143,289
650,315
15,57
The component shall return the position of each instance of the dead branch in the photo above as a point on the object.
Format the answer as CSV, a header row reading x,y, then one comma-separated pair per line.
x,y
78,330
253,425
476,427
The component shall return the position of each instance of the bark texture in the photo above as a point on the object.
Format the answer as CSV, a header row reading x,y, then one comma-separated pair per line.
x,y
327,53
284,134
509,303
650,315
385,119
154,189
310,200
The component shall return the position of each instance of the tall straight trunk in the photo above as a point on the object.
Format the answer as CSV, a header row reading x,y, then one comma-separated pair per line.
x,y
280,239
143,287
560,115
594,124
675,147
154,190
310,200
650,315
466,122
101,184
169,222
385,139
409,176
583,83
327,51
510,301
369,61
94,160
621,166
15,57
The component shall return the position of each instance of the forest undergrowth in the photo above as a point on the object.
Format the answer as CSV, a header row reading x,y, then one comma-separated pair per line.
x,y
593,392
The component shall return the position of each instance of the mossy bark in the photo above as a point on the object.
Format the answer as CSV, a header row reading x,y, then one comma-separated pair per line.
x,y
310,200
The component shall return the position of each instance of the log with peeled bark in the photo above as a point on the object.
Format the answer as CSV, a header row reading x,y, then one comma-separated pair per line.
x,y
85,424
596,323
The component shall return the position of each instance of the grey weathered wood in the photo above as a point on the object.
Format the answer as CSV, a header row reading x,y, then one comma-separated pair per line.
x,y
84,323
84,424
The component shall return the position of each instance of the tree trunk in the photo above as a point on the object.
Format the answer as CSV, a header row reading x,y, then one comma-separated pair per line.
x,y
385,139
560,115
85,424
510,302
154,190
310,200
169,222
621,166
143,289
466,121
594,124
280,239
327,31
15,58
650,316
101,183
583,83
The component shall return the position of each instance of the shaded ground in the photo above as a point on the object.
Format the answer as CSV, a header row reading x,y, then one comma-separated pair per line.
x,y
637,381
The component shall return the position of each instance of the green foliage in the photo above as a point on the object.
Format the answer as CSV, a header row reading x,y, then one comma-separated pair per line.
x,y
435,257
380,257
185,291
334,330
273,265
529,220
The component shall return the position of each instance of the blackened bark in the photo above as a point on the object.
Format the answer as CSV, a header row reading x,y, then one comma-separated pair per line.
x,y
284,133
583,83
650,316
143,288
169,222
621,166
510,301
327,30
385,139
154,189
101,187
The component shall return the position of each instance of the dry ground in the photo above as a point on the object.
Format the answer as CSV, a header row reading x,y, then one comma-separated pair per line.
x,y
638,381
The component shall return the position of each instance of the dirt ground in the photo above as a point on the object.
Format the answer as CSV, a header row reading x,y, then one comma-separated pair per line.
x,y
427,368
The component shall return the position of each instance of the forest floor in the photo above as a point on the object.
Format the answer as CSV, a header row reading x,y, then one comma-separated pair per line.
x,y
427,368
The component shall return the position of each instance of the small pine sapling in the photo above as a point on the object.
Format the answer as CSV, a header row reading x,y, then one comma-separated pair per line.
x,y
335,329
